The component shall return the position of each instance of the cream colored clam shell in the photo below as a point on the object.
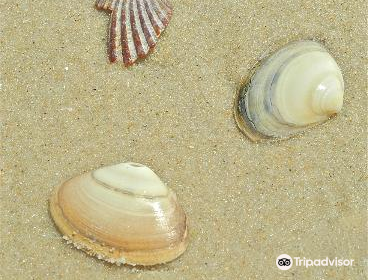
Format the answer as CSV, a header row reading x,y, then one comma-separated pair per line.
x,y
298,86
122,214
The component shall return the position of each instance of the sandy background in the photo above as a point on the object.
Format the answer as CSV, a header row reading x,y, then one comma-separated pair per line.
x,y
65,110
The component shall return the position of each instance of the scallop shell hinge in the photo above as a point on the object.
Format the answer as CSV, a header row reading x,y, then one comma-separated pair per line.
x,y
135,27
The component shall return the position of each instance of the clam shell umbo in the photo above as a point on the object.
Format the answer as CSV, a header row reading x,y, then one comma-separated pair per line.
x,y
122,214
135,26
298,86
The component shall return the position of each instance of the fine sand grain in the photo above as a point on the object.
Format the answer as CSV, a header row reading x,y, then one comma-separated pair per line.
x,y
65,110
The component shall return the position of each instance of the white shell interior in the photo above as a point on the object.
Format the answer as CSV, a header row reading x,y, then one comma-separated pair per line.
x,y
297,86
309,88
131,177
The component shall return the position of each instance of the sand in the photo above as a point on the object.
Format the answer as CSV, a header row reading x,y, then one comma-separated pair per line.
x,y
65,110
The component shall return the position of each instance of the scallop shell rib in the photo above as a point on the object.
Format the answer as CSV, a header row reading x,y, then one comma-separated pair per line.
x,y
135,27
122,214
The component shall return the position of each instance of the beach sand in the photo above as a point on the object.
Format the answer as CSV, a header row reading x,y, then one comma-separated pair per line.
x,y
65,110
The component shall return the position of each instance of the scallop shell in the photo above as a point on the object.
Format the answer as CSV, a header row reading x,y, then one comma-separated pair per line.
x,y
298,86
122,214
135,26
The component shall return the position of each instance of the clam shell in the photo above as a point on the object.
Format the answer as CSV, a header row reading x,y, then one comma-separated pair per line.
x,y
122,214
296,87
135,26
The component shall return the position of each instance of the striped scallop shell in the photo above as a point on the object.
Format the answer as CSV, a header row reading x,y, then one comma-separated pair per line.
x,y
135,26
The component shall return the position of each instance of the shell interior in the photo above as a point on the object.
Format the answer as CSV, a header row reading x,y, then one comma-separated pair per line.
x,y
298,86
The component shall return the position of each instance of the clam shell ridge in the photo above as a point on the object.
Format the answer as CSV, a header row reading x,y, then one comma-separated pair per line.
x,y
296,87
135,27
122,214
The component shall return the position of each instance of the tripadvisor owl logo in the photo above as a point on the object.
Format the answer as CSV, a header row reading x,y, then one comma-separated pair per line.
x,y
284,262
